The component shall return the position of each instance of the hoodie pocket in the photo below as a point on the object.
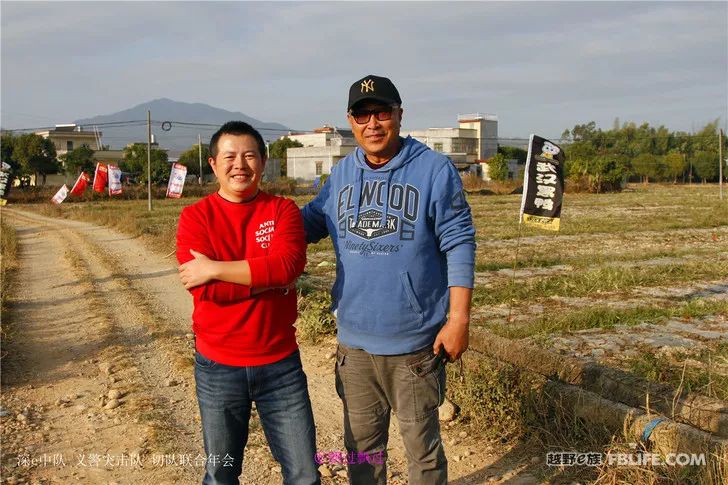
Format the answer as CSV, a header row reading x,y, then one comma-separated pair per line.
x,y
410,292
385,312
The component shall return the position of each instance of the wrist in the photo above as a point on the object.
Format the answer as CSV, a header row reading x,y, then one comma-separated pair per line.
x,y
459,319
216,270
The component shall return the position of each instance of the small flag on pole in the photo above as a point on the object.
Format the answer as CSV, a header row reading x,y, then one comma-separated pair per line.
x,y
543,184
114,180
60,195
100,177
81,183
176,180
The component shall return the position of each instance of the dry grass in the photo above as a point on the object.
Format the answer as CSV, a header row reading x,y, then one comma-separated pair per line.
x,y
8,267
8,260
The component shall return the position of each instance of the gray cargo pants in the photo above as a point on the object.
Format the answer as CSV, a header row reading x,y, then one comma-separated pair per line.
x,y
411,385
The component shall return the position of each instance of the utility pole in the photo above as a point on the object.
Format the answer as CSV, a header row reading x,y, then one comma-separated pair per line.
x,y
720,162
149,160
199,152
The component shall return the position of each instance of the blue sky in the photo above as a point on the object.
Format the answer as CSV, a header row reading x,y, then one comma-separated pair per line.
x,y
542,67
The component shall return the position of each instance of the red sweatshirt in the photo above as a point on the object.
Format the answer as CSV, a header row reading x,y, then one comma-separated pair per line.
x,y
231,326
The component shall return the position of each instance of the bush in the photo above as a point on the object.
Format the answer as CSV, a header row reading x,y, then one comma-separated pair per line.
x,y
315,319
473,183
8,266
493,396
498,168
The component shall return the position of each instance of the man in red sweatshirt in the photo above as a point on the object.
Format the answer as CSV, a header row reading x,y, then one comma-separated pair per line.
x,y
239,250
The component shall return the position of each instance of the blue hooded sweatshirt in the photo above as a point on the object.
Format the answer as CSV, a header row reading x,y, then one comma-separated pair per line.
x,y
402,234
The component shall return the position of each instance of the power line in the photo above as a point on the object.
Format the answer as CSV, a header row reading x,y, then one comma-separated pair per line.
x,y
598,139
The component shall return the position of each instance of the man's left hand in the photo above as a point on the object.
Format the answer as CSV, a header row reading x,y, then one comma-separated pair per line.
x,y
453,337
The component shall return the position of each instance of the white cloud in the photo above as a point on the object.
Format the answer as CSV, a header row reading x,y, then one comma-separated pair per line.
x,y
293,62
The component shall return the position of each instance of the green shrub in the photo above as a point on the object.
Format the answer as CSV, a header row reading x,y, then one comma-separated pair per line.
x,y
314,316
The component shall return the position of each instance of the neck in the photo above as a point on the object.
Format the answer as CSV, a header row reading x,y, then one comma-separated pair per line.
x,y
238,199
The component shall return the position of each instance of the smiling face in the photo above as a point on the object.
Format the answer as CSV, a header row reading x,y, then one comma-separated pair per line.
x,y
378,139
238,166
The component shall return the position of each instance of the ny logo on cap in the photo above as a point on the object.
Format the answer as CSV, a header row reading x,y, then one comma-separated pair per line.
x,y
367,85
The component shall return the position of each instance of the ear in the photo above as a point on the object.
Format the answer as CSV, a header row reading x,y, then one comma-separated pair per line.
x,y
213,165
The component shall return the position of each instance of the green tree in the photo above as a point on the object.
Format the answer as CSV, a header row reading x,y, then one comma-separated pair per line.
x,y
607,173
191,159
705,165
78,160
514,153
587,146
498,167
35,155
7,145
674,165
278,148
706,140
646,166
135,162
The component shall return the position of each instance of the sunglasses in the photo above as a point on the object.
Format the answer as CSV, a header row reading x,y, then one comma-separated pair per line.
x,y
362,117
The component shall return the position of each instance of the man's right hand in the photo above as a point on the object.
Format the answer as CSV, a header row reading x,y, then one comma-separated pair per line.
x,y
197,271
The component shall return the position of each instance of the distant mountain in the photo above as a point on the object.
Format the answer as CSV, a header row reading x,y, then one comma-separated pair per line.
x,y
184,118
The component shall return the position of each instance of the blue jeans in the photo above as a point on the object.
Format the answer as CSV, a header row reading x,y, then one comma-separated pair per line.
x,y
225,394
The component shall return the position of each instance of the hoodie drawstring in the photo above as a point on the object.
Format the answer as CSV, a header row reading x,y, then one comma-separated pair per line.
x,y
385,209
357,194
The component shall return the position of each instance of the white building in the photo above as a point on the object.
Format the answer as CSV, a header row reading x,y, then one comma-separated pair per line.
x,y
71,136
474,141
321,150
468,146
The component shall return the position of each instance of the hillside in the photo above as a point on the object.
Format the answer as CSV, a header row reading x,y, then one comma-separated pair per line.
x,y
187,121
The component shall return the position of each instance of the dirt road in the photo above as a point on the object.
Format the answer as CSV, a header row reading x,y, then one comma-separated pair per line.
x,y
98,385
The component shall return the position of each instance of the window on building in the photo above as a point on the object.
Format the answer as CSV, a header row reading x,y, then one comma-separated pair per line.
x,y
69,145
437,147
319,167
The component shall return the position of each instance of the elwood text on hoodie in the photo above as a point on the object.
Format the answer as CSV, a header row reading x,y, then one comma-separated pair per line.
x,y
402,234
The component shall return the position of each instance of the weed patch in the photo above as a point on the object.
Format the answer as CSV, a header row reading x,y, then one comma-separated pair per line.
x,y
599,280
559,321
314,316
8,267
680,370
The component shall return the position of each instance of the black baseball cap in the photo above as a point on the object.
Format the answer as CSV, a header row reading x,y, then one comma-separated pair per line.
x,y
373,87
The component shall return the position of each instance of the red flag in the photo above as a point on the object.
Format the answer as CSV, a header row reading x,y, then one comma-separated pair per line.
x,y
81,183
100,177
114,180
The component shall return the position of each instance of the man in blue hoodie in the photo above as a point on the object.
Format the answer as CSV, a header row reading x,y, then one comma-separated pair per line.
x,y
405,249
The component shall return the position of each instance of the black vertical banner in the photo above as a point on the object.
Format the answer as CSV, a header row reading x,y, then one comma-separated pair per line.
x,y
543,184
4,182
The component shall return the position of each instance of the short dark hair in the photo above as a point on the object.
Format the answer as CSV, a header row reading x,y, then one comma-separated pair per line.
x,y
237,128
